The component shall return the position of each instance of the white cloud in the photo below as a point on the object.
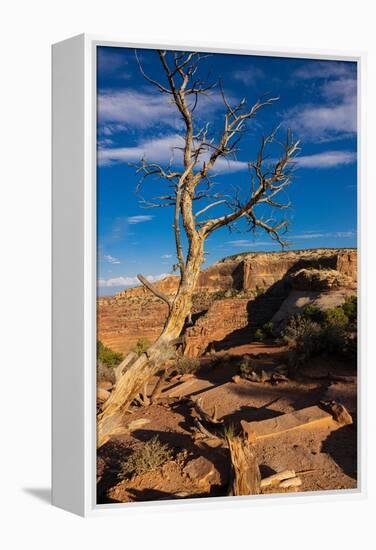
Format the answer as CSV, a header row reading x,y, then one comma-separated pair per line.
x,y
167,148
306,235
324,69
162,150
248,76
128,281
111,259
131,108
344,234
324,122
327,159
110,61
139,219
312,235
343,88
166,256
248,243
335,116
136,109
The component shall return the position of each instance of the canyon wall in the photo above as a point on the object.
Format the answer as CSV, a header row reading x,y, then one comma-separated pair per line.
x,y
233,297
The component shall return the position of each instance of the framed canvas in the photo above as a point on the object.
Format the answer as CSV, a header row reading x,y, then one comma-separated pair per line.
x,y
207,309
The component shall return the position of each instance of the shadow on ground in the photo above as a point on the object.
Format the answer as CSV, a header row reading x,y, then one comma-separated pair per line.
x,y
341,446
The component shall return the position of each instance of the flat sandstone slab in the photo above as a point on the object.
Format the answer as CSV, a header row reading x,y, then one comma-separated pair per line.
x,y
185,389
311,417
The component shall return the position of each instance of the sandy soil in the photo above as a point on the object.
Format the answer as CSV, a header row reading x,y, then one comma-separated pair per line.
x,y
326,458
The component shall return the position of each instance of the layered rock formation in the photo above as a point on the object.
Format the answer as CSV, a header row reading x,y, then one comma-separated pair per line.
x,y
233,297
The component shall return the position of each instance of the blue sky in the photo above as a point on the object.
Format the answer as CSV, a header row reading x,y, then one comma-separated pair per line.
x,y
317,100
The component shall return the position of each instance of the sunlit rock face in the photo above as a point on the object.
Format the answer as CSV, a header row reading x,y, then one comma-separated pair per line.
x,y
233,296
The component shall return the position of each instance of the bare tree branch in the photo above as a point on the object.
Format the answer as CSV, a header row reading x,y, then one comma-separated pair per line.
x,y
155,290
268,179
216,203
260,194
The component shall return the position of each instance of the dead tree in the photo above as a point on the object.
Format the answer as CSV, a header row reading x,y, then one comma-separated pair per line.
x,y
192,195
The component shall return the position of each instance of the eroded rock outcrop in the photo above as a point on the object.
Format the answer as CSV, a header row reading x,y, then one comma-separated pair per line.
x,y
233,296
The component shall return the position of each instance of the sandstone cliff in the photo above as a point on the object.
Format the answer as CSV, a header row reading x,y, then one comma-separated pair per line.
x,y
233,296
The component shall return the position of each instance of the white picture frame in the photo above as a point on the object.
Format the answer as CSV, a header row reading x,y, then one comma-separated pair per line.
x,y
74,278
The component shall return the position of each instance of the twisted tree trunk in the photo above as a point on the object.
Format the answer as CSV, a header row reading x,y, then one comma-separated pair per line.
x,y
144,367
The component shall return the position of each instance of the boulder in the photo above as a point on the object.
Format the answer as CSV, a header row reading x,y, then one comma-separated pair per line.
x,y
200,470
319,279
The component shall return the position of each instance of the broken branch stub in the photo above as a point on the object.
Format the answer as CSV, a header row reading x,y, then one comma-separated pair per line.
x,y
158,293
245,472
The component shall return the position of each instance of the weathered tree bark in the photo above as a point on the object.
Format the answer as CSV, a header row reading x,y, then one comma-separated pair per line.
x,y
245,478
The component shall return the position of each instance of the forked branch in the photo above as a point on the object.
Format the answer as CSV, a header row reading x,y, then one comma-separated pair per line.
x,y
158,293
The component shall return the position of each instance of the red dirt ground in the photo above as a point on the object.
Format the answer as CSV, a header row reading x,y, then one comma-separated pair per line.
x,y
329,456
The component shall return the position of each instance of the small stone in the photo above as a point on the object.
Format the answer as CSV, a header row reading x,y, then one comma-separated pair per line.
x,y
199,470
186,376
236,379
288,483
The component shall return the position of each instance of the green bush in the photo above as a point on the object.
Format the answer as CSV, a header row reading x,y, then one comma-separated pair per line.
x,y
339,316
350,308
141,346
309,338
107,356
245,367
300,329
333,339
335,317
259,336
187,365
264,333
313,313
150,456
267,329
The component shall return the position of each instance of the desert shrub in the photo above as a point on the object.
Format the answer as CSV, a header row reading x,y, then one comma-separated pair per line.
x,y
150,456
333,339
187,365
309,338
313,313
141,345
259,335
335,317
299,329
350,308
267,329
107,356
350,351
264,333
245,367
303,335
